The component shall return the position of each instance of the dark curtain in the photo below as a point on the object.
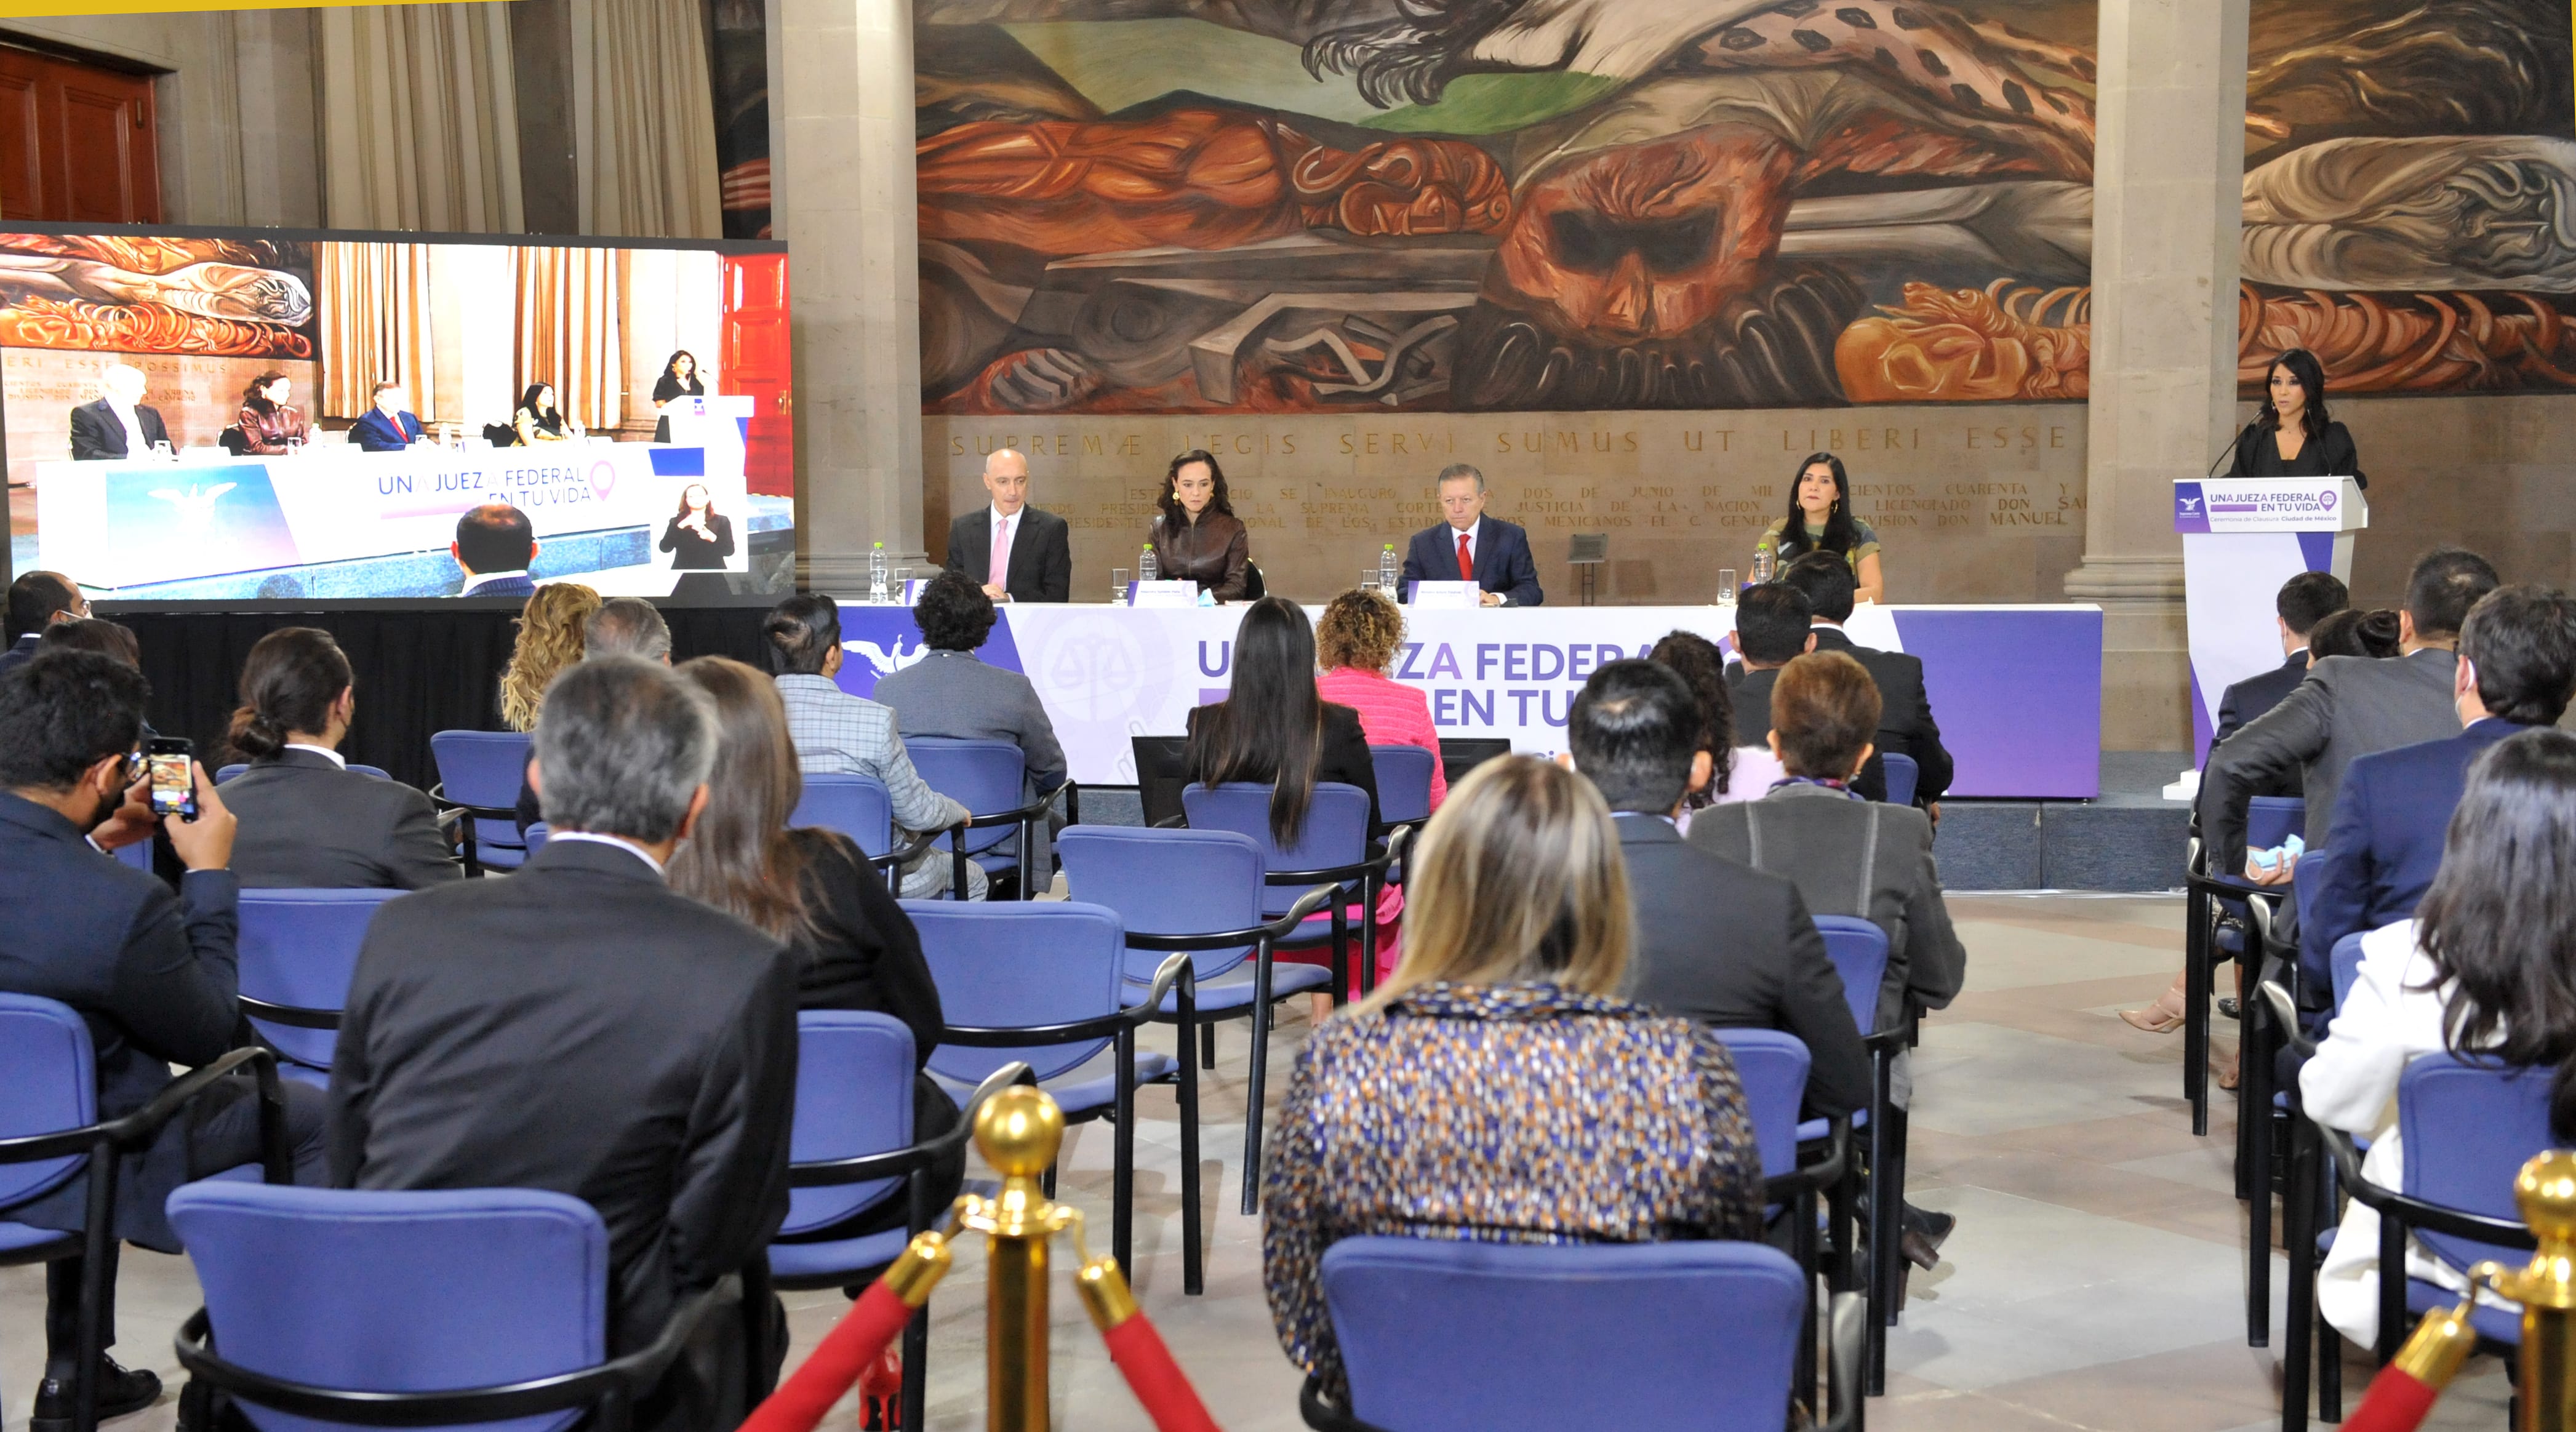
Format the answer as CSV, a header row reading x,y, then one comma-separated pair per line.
x,y
417,671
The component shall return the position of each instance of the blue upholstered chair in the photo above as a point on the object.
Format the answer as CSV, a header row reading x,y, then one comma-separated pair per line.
x,y
346,1308
1403,782
479,773
990,779
1332,848
860,808
1904,773
1638,1335
299,949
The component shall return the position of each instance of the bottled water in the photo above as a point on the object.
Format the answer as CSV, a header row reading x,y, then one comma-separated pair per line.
x,y
1762,565
1386,569
877,573
1145,564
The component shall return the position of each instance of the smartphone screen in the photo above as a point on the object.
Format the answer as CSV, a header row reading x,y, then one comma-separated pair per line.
x,y
174,787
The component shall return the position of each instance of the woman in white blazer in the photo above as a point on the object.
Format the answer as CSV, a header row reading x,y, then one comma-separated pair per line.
x,y
2488,964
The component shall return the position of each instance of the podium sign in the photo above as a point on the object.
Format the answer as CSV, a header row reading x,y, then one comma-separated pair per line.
x,y
2242,537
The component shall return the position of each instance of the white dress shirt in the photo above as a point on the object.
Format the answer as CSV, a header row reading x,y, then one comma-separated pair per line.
x,y
1475,544
556,837
135,446
335,757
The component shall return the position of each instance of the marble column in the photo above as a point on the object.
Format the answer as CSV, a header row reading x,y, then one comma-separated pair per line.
x,y
840,95
2169,166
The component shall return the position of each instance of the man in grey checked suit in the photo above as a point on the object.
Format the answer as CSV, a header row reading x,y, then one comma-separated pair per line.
x,y
837,733
950,692
2349,707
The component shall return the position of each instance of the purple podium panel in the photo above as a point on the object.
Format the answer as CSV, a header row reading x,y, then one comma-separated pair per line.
x,y
2018,694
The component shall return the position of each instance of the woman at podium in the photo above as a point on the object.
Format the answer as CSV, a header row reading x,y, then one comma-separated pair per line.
x,y
1198,538
679,380
1821,520
2292,436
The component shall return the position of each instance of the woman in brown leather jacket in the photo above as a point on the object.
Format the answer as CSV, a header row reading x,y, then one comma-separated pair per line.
x,y
267,423
1198,535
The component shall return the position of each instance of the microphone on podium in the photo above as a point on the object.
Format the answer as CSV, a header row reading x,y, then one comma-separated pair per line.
x,y
2228,451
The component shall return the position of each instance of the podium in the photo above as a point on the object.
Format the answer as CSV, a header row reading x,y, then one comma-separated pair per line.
x,y
2242,537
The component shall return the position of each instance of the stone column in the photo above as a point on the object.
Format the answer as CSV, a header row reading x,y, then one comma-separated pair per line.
x,y
2169,167
840,95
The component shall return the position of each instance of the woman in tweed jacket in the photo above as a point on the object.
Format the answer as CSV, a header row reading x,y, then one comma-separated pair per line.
x,y
1494,1088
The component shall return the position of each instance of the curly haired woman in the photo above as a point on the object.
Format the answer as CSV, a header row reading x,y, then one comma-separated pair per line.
x,y
550,628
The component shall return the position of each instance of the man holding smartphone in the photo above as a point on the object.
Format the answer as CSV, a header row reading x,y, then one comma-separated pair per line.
x,y
152,971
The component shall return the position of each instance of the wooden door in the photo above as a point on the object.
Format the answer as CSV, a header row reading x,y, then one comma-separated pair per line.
x,y
78,142
758,361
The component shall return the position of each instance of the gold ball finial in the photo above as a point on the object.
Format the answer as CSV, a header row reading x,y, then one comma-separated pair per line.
x,y
2546,1192
1018,1131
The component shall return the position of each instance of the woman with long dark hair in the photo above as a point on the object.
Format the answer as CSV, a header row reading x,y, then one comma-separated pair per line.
x,y
2293,436
268,425
680,379
699,538
1737,773
305,820
539,420
2487,967
1198,538
1820,519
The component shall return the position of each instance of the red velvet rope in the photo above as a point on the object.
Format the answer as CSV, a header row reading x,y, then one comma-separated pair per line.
x,y
1155,1378
861,1336
2396,1402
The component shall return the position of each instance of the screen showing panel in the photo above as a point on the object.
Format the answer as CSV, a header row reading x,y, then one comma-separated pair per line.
x,y
234,417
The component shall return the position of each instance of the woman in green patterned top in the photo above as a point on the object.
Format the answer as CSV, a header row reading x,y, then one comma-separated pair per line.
x,y
1820,520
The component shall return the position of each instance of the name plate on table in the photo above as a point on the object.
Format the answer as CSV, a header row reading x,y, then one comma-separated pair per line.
x,y
1163,594
2269,504
1447,596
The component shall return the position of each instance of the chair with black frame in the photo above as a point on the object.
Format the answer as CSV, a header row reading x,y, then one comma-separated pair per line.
x,y
479,774
1200,892
349,1306
298,950
989,779
2260,1107
48,1101
2303,1168
1254,588
2214,932
1772,1066
1858,951
1044,983
861,808
1459,755
1332,848
852,1143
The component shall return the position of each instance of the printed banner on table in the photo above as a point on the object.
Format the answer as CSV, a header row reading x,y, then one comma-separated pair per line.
x,y
2269,504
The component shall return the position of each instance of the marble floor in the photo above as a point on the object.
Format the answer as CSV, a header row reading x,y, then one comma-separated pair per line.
x,y
2095,1279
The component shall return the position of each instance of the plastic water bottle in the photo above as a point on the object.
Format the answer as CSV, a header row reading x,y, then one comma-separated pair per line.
x,y
877,574
1762,565
1386,568
1145,564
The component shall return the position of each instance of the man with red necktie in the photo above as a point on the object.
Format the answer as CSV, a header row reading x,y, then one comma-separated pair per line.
x,y
1471,547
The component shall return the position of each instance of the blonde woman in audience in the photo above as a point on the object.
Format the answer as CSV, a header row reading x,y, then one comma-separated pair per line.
x,y
1496,1088
550,636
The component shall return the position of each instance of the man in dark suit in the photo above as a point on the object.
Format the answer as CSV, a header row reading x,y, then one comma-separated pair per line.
x,y
2516,669
1771,630
1906,726
117,425
389,426
1718,942
36,601
152,971
2347,708
580,1027
1469,546
623,626
2303,601
495,547
1032,550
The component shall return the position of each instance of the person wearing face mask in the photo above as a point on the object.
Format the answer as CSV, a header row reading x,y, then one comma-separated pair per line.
x,y
2292,437
1198,538
118,425
152,970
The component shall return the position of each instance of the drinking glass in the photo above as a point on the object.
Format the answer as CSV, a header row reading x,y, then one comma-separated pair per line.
x,y
1368,579
1117,586
162,450
1726,586
902,586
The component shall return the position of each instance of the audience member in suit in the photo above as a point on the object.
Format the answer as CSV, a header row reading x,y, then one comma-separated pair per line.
x,y
36,601
388,426
837,733
269,425
1470,547
494,548
118,425
2483,967
1275,729
1773,626
950,692
1497,1085
151,970
2517,670
1906,727
1737,772
1850,856
1016,552
583,1028
306,820
2303,601
1717,941
2348,707
853,946
1357,641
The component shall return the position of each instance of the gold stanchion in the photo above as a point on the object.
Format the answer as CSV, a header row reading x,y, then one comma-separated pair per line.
x,y
1018,1131
2546,1288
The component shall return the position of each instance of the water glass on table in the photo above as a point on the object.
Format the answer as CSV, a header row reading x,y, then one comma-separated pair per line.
x,y
1117,586
1726,588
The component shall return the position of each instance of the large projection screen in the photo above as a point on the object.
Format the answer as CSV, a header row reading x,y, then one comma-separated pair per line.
x,y
682,496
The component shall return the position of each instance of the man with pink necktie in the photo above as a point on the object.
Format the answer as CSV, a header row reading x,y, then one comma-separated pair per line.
x,y
1471,547
1016,552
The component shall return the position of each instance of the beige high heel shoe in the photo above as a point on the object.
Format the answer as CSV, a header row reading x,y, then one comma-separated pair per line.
x,y
2162,1017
